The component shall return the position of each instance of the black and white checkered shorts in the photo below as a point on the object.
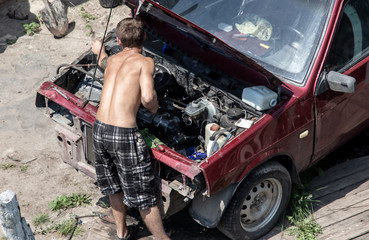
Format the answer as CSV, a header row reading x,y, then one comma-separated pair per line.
x,y
123,163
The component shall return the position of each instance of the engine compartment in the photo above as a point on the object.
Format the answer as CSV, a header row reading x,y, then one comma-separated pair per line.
x,y
200,109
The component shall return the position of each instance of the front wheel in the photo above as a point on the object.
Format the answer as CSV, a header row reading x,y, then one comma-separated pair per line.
x,y
258,203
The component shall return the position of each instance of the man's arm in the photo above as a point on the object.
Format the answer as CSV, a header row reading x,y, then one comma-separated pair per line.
x,y
95,48
148,94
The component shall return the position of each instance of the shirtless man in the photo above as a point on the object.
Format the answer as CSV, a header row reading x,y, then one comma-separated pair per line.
x,y
123,164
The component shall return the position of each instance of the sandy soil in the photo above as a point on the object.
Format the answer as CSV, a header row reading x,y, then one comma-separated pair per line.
x,y
28,141
27,137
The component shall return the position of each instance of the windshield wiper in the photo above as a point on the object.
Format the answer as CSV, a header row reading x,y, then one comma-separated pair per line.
x,y
191,9
201,42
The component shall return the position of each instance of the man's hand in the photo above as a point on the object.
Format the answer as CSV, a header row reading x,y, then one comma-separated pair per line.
x,y
95,48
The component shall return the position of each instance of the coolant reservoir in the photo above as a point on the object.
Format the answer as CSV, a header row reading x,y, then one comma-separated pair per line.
x,y
210,146
209,130
259,97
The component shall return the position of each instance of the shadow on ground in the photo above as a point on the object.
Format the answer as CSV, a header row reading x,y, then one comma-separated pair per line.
x,y
179,226
14,14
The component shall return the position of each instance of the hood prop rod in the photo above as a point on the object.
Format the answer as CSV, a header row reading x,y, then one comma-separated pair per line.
x,y
98,57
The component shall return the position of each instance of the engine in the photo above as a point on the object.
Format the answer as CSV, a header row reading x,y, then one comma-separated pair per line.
x,y
194,117
200,110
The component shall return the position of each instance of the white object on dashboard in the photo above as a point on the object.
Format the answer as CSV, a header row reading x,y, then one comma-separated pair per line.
x,y
225,27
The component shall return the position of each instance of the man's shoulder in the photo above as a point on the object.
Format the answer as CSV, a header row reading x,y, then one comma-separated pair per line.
x,y
143,60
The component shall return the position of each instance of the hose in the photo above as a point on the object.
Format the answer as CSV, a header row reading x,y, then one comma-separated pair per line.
x,y
76,67
215,139
65,65
227,132
77,218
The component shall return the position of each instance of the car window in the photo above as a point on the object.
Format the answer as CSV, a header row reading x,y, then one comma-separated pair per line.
x,y
351,40
280,35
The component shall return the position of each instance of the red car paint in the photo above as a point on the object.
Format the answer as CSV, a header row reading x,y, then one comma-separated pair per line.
x,y
303,128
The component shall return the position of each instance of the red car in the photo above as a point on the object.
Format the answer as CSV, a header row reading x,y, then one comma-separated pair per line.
x,y
250,92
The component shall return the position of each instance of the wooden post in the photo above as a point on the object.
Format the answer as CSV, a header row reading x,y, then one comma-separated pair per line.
x,y
14,226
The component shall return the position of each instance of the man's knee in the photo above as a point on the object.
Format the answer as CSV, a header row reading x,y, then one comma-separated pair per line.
x,y
154,210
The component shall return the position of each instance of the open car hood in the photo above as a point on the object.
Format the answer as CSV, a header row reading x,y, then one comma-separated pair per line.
x,y
201,44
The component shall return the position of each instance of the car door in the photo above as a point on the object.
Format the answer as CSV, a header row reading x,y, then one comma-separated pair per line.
x,y
340,116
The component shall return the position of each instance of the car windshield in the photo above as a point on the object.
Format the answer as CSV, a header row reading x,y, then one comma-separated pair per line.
x,y
281,35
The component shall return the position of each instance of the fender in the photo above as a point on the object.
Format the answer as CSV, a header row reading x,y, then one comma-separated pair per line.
x,y
207,211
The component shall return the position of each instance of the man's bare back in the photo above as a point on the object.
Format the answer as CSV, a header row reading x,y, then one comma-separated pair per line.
x,y
128,82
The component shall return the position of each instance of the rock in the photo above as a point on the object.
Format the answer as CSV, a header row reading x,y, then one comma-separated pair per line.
x,y
17,157
10,154
17,12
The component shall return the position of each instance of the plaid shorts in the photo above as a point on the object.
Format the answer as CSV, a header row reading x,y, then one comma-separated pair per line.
x,y
123,163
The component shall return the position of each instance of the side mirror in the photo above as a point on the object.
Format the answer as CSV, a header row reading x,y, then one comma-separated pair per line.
x,y
341,83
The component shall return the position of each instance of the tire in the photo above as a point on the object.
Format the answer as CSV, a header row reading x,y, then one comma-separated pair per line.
x,y
258,203
109,3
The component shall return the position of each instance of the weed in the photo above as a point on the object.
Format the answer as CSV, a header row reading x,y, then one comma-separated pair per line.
x,y
52,227
11,41
102,204
90,30
304,225
39,18
3,238
65,202
7,166
66,227
31,28
23,168
43,218
87,16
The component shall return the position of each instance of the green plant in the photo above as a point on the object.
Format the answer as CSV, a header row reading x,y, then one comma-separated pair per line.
x,y
65,202
87,16
304,225
11,41
23,168
52,227
43,218
102,204
31,28
39,18
90,30
7,166
66,227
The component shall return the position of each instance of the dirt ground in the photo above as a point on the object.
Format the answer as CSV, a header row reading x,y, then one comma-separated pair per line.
x,y
28,141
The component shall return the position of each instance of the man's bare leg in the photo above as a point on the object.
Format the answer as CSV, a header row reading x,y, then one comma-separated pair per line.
x,y
152,219
119,212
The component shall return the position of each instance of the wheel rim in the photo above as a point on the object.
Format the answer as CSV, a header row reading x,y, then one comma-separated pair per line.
x,y
261,204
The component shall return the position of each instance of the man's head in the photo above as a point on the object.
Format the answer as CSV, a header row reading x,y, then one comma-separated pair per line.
x,y
130,32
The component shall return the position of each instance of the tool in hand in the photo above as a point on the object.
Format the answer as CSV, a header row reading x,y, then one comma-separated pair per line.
x,y
158,146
